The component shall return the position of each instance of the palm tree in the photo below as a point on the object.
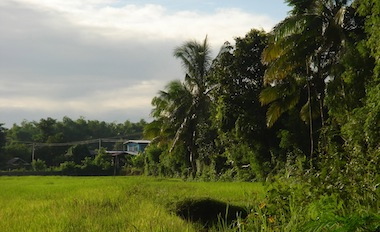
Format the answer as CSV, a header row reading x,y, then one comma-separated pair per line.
x,y
181,106
171,108
305,45
196,61
280,98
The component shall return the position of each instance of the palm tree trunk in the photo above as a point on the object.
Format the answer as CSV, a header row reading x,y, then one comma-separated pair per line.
x,y
310,123
192,163
192,156
321,94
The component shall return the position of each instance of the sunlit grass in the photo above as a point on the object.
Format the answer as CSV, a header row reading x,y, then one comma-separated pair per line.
x,y
107,203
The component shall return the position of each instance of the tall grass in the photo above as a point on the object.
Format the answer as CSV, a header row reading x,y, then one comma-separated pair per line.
x,y
107,203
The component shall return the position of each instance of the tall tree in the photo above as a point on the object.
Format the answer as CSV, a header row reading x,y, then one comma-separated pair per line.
x,y
305,47
370,9
171,109
196,61
184,106
2,142
238,77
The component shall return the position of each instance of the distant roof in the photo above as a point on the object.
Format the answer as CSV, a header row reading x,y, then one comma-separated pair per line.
x,y
116,153
138,141
17,161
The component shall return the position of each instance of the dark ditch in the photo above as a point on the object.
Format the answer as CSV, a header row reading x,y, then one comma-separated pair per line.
x,y
209,212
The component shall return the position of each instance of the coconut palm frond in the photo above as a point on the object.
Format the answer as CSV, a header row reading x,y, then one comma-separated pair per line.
x,y
340,16
153,129
287,27
269,95
195,58
305,111
272,52
280,70
275,110
292,101
300,6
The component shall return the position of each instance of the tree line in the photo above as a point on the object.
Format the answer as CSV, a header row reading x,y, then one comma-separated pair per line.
x,y
309,88
297,108
55,142
298,105
306,92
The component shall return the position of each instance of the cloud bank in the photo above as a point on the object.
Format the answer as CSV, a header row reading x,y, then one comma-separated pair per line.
x,y
100,59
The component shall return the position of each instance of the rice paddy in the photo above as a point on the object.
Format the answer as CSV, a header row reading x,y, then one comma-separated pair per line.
x,y
132,203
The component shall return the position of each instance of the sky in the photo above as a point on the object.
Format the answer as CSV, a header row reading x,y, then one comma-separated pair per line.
x,y
106,59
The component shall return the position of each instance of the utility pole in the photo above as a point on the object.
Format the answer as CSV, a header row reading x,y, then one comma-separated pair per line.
x,y
33,149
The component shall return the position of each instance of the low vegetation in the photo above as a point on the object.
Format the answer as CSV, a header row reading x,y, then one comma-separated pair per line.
x,y
111,203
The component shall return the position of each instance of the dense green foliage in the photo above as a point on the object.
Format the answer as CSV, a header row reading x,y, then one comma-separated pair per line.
x,y
299,105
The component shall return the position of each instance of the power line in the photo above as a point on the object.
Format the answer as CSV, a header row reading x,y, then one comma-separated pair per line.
x,y
114,139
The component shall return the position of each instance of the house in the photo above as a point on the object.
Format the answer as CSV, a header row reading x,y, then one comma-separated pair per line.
x,y
134,147
17,162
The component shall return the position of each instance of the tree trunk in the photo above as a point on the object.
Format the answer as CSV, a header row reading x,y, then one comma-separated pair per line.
x,y
310,123
192,160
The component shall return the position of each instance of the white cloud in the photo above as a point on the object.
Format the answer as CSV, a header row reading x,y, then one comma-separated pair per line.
x,y
123,98
151,21
131,97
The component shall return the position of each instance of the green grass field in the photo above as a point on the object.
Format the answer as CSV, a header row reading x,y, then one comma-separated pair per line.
x,y
108,203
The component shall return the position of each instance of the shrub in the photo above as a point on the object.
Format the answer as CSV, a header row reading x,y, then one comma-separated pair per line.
x,y
69,168
39,165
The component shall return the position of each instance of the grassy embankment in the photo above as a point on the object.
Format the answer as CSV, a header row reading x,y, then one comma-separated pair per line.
x,y
107,203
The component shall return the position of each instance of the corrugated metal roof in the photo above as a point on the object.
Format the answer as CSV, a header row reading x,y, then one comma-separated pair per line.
x,y
17,161
138,141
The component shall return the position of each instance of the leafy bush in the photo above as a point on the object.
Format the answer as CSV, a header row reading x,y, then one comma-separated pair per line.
x,y
39,165
137,165
77,153
102,160
69,168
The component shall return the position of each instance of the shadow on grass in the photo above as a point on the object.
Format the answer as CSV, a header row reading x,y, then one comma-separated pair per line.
x,y
208,212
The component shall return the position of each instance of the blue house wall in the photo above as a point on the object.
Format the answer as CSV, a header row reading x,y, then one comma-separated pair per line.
x,y
136,146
